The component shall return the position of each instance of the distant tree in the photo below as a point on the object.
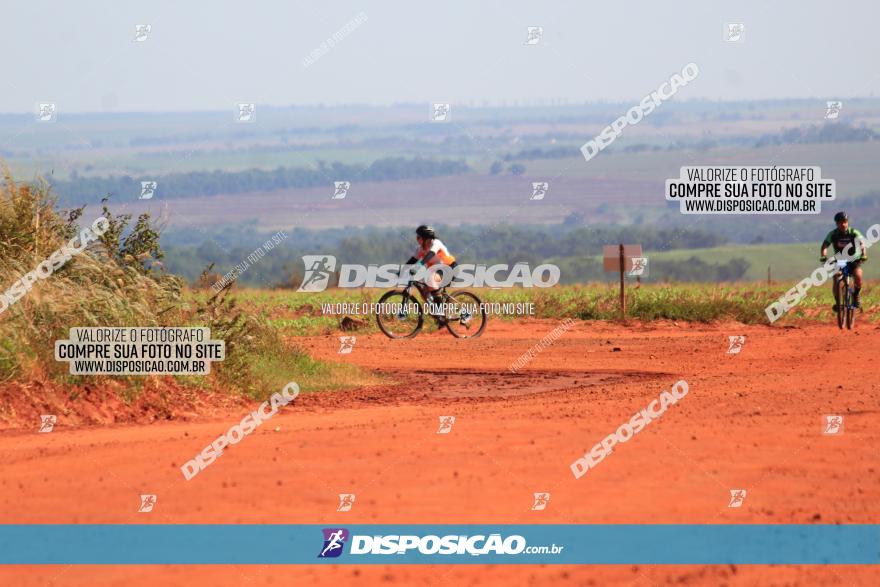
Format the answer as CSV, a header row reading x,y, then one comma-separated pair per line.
x,y
733,270
497,167
574,219
517,169
560,152
832,132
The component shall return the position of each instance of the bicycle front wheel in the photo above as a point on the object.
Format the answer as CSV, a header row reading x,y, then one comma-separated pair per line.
x,y
399,315
465,315
850,307
841,302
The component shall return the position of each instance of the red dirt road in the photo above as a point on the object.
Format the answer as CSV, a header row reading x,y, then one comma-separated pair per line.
x,y
750,421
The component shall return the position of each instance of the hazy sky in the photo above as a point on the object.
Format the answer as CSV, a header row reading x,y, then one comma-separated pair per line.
x,y
208,55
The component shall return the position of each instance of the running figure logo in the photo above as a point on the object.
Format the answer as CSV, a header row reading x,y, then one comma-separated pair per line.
x,y
346,500
47,423
47,112
833,425
539,190
735,344
737,497
346,344
446,423
342,188
440,112
534,35
334,540
541,500
247,112
639,266
147,503
318,270
735,32
832,109
141,32
148,189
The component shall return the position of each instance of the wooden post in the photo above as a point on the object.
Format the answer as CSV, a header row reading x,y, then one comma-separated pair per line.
x,y
622,290
768,276
37,234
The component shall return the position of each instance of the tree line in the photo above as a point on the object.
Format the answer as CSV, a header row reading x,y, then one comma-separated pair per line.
x,y
80,190
572,249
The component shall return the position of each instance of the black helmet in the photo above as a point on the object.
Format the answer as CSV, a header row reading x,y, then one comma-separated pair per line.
x,y
840,216
425,232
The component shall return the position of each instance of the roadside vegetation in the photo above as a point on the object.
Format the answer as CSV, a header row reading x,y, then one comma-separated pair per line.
x,y
120,281
300,314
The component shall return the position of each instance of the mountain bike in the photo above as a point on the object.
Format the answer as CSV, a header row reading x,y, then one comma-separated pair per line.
x,y
845,289
400,313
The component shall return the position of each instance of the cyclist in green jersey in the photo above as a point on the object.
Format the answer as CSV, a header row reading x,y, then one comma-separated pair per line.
x,y
843,238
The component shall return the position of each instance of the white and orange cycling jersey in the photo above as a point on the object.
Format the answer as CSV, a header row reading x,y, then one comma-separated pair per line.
x,y
441,254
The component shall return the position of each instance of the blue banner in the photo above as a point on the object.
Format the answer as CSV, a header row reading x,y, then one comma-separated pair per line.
x,y
439,544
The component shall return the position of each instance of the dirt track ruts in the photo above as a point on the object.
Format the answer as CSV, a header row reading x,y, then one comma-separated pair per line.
x,y
751,421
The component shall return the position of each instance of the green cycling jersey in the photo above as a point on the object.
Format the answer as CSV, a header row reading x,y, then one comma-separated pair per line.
x,y
844,240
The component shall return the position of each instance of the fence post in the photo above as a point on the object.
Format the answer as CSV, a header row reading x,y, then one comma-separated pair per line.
x,y
622,289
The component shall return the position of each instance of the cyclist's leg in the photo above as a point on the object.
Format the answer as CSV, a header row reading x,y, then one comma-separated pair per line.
x,y
857,277
834,281
432,290
432,302
436,308
423,290
432,286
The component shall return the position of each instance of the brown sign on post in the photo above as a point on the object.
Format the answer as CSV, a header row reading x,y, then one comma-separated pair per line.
x,y
619,258
611,257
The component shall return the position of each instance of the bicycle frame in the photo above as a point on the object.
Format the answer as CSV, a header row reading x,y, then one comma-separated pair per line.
x,y
845,299
847,276
421,288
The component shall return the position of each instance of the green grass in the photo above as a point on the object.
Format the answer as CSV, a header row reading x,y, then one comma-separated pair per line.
x,y
299,314
108,285
787,262
851,164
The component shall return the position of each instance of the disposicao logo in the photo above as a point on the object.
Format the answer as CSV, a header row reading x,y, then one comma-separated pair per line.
x,y
320,268
335,540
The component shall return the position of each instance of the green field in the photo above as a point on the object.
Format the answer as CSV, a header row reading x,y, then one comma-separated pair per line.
x,y
300,314
852,165
787,262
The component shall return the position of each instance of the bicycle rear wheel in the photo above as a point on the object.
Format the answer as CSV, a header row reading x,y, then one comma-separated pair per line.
x,y
399,315
465,316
